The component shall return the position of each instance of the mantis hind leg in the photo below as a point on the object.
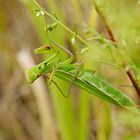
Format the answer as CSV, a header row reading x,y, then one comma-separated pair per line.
x,y
74,76
62,93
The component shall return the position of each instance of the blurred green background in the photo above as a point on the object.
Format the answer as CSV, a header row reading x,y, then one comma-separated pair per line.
x,y
39,111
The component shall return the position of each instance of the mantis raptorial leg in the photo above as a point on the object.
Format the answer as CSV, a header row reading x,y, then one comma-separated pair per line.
x,y
53,72
64,62
65,50
67,62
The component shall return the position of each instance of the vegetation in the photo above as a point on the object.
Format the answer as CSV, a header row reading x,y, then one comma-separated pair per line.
x,y
87,48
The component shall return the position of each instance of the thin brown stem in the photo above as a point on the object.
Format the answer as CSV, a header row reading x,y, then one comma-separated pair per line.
x,y
109,31
131,77
112,38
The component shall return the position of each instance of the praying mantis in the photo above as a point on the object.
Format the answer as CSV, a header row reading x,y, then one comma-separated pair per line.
x,y
85,79
74,72
51,65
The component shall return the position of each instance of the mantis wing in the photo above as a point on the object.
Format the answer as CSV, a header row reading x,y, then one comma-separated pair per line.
x,y
98,87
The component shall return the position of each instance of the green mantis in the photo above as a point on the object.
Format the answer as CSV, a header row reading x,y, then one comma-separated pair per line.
x,y
85,79
69,71
73,73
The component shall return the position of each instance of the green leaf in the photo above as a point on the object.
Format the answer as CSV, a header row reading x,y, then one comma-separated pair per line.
x,y
42,12
38,14
52,26
73,38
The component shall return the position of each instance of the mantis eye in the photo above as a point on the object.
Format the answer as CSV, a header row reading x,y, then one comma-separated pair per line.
x,y
45,64
39,68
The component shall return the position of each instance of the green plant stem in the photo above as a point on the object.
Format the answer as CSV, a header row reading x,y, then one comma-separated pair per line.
x,y
66,28
112,38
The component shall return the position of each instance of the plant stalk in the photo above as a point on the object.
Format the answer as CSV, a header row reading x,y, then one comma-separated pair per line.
x,y
68,29
136,86
109,31
112,38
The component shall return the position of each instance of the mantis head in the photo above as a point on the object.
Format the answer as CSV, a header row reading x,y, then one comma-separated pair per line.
x,y
32,74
